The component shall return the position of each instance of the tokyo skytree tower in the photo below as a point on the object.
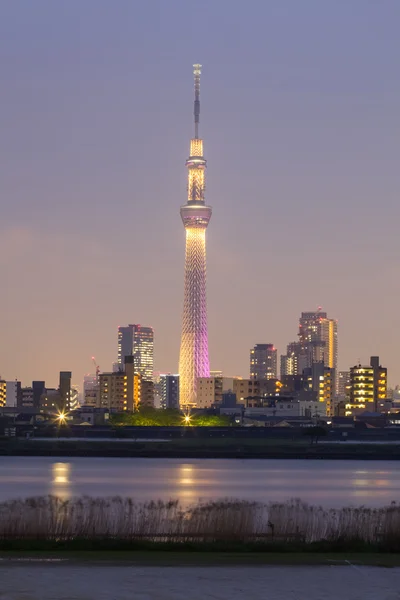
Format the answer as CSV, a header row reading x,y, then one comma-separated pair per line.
x,y
193,359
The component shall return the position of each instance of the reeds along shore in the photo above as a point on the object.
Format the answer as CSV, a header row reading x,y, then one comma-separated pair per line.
x,y
51,518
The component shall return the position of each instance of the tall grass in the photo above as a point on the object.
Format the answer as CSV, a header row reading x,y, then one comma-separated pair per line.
x,y
51,518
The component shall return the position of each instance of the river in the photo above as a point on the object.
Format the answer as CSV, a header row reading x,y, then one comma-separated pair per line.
x,y
108,582
327,483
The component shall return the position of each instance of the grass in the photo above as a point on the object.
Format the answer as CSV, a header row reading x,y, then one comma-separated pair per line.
x,y
207,559
120,524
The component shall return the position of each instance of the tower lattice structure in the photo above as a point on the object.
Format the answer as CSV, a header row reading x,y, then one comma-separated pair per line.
x,y
193,359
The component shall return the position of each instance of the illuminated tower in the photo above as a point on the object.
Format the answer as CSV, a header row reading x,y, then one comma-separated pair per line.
x,y
193,359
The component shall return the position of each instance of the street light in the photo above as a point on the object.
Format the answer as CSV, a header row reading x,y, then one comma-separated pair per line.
x,y
62,418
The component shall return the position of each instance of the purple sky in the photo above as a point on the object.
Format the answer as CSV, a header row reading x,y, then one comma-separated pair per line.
x,y
300,117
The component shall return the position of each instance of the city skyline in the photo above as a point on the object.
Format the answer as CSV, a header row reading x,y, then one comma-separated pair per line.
x,y
301,131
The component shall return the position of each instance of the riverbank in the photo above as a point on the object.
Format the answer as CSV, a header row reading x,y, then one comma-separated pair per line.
x,y
201,448
200,559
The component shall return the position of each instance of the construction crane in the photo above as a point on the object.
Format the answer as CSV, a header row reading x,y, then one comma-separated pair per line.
x,y
97,368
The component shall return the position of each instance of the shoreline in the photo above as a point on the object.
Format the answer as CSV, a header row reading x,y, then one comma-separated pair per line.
x,y
206,559
224,449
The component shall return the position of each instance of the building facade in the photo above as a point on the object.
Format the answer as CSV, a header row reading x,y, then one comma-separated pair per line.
x,y
196,215
113,392
137,341
317,343
318,338
380,382
287,407
263,362
65,390
295,360
361,393
255,388
320,379
125,390
343,384
368,388
52,402
26,399
146,393
13,393
30,397
3,393
245,388
169,390
91,390
210,390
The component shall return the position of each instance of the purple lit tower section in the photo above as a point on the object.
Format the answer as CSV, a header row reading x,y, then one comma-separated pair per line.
x,y
193,359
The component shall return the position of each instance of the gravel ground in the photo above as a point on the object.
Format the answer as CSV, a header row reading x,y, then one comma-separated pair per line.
x,y
86,582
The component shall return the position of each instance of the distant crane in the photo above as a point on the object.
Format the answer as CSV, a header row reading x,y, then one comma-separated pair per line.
x,y
97,368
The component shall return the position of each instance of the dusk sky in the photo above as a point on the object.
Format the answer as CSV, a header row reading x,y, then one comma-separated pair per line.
x,y
300,107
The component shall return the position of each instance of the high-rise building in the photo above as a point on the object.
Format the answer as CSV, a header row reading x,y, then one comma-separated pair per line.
x,y
65,390
113,391
319,379
263,362
91,390
125,345
361,396
343,384
318,335
169,390
291,362
317,343
368,386
38,388
137,341
146,392
195,214
380,381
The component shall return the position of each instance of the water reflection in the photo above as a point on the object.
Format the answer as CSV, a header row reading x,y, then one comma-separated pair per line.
x,y
61,480
330,483
186,481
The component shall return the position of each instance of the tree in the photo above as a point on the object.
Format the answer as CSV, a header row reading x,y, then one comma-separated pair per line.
x,y
315,433
147,416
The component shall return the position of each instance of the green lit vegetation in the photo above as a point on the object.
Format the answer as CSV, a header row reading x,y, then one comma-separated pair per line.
x,y
152,417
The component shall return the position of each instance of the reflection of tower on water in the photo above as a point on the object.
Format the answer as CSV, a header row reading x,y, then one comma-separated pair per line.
x,y
186,483
61,479
186,475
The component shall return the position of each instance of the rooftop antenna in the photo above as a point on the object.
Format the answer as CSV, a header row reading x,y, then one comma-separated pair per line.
x,y
196,73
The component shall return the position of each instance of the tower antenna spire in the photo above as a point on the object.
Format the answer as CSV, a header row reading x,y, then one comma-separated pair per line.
x,y
196,73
